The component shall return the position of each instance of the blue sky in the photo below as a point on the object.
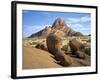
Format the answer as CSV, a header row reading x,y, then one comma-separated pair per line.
x,y
34,21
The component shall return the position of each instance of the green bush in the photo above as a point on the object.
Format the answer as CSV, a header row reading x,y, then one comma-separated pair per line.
x,y
88,51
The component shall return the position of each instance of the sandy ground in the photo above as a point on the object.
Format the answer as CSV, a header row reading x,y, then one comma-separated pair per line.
x,y
36,58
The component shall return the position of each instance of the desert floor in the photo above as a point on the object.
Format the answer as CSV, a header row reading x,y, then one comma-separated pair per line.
x,y
36,58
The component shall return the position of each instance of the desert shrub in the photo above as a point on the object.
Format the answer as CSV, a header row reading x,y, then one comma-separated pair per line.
x,y
89,40
33,43
88,51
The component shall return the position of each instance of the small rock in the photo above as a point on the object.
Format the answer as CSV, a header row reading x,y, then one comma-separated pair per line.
x,y
42,46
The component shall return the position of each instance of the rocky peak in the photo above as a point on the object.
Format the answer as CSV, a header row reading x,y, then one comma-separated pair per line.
x,y
59,23
58,27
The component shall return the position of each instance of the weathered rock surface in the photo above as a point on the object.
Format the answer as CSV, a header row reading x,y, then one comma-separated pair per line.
x,y
54,47
64,60
80,54
59,26
77,48
53,43
76,45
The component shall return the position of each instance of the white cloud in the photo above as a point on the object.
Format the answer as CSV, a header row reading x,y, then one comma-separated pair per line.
x,y
78,20
85,19
81,24
73,20
77,25
85,29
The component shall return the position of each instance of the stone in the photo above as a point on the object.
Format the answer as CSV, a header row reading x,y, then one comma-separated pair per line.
x,y
65,60
53,43
76,45
77,48
42,46
80,54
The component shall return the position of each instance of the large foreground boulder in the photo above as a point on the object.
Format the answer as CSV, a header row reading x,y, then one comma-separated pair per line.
x,y
53,43
54,46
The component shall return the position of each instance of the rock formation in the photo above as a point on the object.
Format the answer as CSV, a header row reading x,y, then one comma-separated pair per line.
x,y
77,48
54,46
53,43
80,54
64,60
76,45
59,26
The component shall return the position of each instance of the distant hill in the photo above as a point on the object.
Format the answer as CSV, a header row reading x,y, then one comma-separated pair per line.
x,y
58,27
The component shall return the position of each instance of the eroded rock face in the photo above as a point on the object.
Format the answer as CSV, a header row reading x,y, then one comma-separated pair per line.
x,y
46,31
80,54
59,23
77,48
59,26
76,45
54,47
53,43
57,32
63,59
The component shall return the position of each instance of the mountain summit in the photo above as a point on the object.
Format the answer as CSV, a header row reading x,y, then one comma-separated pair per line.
x,y
59,23
58,27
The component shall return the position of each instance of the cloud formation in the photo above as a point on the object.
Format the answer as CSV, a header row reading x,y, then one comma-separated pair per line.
x,y
33,21
81,24
78,20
